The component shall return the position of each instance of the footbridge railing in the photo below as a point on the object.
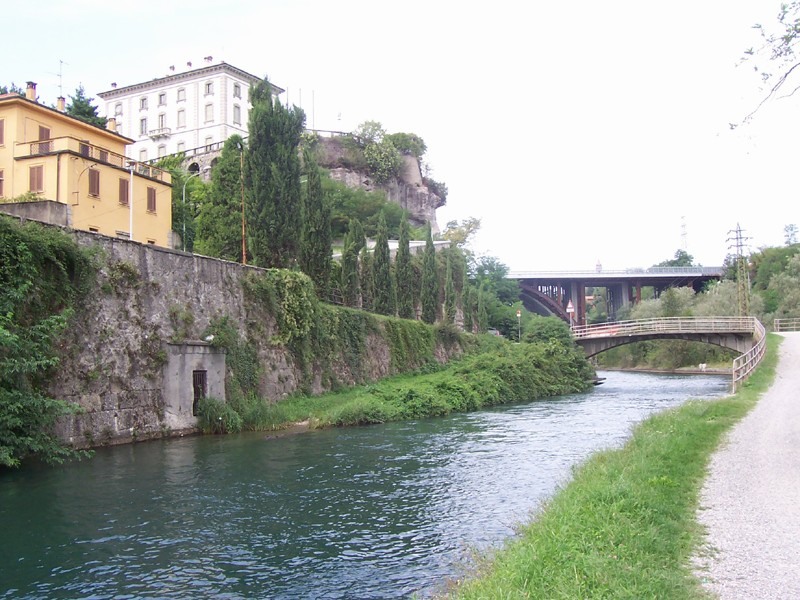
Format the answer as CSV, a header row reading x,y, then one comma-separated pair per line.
x,y
663,327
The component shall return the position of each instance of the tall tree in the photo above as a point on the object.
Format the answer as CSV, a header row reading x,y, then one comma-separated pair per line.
x,y
483,313
82,108
404,274
219,224
315,239
429,297
449,292
273,179
384,299
350,284
467,304
367,281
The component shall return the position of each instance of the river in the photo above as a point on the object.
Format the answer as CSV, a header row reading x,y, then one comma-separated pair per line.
x,y
383,511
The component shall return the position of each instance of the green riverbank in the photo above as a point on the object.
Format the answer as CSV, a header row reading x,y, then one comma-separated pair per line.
x,y
508,373
625,526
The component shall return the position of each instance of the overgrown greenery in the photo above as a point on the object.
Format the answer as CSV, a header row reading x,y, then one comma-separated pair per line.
x,y
625,526
43,274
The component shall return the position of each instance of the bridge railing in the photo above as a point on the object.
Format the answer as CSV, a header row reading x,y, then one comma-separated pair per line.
x,y
786,325
744,365
667,325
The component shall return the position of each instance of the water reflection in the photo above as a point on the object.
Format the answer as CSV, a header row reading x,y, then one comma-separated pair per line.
x,y
374,512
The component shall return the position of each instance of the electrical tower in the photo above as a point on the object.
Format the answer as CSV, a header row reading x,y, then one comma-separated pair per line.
x,y
738,244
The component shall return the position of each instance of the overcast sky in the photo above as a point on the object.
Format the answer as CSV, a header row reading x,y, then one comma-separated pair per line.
x,y
578,132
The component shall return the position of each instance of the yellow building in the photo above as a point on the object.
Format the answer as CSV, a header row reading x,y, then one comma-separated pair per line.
x,y
76,174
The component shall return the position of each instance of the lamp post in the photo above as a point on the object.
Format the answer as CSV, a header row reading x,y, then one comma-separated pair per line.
x,y
183,237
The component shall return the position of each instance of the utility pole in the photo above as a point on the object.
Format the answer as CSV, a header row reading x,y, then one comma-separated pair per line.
x,y
738,244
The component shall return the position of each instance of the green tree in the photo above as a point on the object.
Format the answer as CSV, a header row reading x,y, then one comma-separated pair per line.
x,y
384,299
367,280
449,292
184,214
369,132
545,329
273,179
219,223
483,314
383,160
404,274
315,241
790,234
82,108
429,296
12,89
460,233
350,284
682,259
468,306
408,143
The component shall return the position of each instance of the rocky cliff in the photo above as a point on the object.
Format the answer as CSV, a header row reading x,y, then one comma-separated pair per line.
x,y
408,190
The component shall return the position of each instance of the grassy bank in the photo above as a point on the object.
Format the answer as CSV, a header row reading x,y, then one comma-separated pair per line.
x,y
625,526
509,373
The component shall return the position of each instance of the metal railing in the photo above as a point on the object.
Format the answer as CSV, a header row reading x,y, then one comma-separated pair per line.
x,y
743,365
90,152
667,325
609,273
786,325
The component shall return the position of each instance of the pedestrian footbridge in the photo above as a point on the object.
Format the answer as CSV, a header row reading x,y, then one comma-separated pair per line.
x,y
745,335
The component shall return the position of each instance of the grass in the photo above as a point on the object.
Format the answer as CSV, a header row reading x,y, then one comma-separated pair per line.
x,y
625,526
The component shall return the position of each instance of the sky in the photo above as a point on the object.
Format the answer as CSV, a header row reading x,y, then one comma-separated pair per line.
x,y
579,133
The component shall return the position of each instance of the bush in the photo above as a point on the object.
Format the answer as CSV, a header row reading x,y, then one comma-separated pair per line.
x,y
215,416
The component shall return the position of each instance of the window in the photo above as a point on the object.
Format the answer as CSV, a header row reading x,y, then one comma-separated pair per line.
x,y
1,182
143,103
124,186
209,113
209,87
117,109
181,146
181,94
85,149
151,199
2,132
181,118
103,155
237,90
94,182
36,178
143,155
200,387
237,114
44,144
162,121
162,151
162,98
143,126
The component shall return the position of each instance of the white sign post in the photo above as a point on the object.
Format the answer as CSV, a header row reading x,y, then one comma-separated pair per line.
x,y
570,311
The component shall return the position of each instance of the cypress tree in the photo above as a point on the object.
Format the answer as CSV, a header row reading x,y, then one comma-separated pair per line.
x,y
315,240
219,225
82,108
273,179
383,302
350,283
467,303
367,287
483,315
429,296
404,273
449,292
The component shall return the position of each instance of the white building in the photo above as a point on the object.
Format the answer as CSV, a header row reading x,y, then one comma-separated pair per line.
x,y
182,112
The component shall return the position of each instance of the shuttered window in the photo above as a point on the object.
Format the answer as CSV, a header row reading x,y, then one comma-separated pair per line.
x,y
36,179
151,199
94,182
124,186
2,132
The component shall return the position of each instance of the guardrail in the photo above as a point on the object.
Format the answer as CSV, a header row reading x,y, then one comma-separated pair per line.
x,y
786,325
743,365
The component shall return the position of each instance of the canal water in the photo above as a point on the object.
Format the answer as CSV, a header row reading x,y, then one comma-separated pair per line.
x,y
384,511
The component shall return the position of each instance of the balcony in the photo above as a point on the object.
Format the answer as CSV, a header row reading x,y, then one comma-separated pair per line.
x,y
161,132
71,145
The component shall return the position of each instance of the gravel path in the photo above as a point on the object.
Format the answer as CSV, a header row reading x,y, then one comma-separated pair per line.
x,y
750,503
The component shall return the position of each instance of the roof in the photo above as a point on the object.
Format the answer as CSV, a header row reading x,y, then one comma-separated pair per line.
x,y
186,75
14,97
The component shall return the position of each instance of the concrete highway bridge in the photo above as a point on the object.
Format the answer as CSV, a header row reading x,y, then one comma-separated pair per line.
x,y
745,335
563,293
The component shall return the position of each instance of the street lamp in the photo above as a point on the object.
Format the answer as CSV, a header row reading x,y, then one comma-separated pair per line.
x,y
195,174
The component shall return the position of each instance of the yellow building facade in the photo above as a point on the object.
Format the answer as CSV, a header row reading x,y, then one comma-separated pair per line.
x,y
60,165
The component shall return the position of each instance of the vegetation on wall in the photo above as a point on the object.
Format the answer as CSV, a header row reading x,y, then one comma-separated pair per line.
x,y
43,274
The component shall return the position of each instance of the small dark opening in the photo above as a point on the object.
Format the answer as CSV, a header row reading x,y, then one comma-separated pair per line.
x,y
199,383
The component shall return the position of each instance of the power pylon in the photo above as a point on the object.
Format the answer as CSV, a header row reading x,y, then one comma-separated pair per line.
x,y
738,243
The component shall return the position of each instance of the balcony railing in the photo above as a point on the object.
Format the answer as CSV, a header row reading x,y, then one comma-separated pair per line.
x,y
161,132
89,151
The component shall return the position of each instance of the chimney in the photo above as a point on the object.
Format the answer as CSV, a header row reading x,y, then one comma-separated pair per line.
x,y
111,124
30,92
60,104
